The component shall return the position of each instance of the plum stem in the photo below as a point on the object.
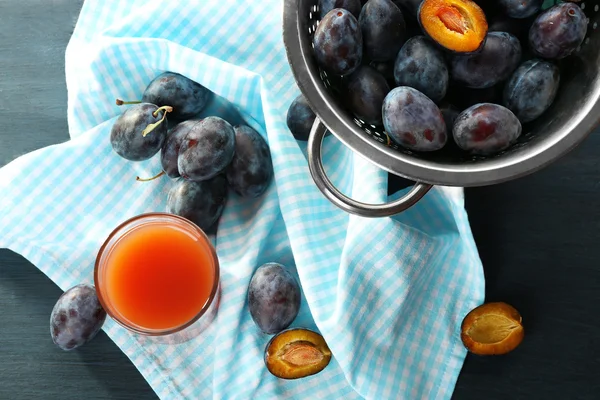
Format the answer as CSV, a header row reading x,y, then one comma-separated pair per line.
x,y
165,108
150,179
151,127
122,102
389,142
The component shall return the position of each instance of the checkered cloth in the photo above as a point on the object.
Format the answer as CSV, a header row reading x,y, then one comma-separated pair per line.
x,y
387,294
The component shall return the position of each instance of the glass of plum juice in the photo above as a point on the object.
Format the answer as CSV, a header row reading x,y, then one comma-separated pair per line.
x,y
157,275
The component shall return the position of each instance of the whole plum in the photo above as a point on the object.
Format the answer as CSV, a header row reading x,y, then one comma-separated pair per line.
x,y
251,169
498,58
338,42
139,133
386,69
206,150
365,90
186,97
558,31
531,89
300,118
413,120
273,298
200,202
383,29
353,6
421,65
76,317
170,149
486,129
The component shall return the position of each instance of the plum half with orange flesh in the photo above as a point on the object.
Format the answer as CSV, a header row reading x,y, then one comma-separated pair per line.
x,y
457,25
492,329
296,353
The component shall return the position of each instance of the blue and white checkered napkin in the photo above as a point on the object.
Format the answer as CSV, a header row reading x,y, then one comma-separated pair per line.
x,y
387,294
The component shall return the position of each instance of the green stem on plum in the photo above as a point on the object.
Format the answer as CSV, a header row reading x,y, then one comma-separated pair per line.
x,y
122,102
151,127
150,179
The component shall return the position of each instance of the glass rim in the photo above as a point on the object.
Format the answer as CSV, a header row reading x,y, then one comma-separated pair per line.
x,y
107,305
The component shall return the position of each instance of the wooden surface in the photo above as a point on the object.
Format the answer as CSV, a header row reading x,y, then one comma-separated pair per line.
x,y
537,238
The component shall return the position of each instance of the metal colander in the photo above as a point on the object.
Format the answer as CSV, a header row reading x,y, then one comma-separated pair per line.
x,y
573,115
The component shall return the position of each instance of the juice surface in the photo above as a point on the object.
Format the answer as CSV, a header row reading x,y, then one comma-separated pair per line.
x,y
159,276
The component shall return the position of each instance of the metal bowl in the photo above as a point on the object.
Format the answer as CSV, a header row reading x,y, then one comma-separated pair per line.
x,y
574,114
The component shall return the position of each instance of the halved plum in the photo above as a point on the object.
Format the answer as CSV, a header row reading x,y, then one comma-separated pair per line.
x,y
296,353
457,25
492,329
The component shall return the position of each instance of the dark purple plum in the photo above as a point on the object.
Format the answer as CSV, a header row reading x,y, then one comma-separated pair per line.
x,y
300,118
450,113
132,136
206,150
383,30
531,89
273,298
413,120
76,317
498,58
200,202
486,129
387,70
558,31
520,8
353,6
420,64
186,97
338,43
251,169
364,92
170,150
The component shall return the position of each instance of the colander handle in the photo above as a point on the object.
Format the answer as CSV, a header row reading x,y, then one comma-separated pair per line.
x,y
315,164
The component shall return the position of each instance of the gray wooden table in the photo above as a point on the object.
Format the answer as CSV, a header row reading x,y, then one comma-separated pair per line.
x,y
537,237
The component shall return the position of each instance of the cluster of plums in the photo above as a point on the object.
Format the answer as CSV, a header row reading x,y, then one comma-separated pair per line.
x,y
426,71
205,156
